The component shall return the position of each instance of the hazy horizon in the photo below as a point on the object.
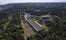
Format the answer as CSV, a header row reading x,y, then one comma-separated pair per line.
x,y
2,2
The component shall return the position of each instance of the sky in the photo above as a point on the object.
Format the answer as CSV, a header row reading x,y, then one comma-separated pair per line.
x,y
27,1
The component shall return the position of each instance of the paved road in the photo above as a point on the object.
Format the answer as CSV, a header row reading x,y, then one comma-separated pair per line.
x,y
28,31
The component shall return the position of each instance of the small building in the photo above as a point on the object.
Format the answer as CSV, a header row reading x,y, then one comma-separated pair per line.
x,y
45,18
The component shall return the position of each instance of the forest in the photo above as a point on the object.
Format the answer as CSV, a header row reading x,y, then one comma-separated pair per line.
x,y
11,28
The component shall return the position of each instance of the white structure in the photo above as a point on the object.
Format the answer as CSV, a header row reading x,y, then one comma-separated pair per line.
x,y
27,16
38,24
